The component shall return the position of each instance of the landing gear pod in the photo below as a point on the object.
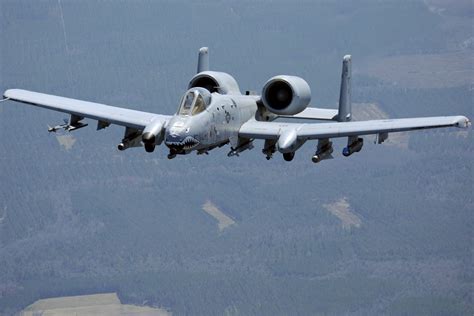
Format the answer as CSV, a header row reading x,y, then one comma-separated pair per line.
x,y
289,156
153,135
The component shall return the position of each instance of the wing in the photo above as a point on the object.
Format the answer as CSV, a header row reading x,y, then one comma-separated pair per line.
x,y
273,130
105,114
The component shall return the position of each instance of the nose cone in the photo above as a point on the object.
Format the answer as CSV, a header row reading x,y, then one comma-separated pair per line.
x,y
178,136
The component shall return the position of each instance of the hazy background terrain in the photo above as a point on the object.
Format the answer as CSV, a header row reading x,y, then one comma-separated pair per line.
x,y
389,230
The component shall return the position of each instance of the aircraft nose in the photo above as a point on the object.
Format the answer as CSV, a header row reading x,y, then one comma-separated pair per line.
x,y
179,142
173,138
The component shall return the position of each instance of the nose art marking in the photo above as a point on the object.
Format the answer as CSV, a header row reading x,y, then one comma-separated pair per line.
x,y
187,143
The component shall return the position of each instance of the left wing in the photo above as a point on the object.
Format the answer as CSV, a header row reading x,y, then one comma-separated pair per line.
x,y
105,114
273,130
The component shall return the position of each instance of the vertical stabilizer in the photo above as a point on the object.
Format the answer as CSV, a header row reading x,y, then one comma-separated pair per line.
x,y
203,60
345,106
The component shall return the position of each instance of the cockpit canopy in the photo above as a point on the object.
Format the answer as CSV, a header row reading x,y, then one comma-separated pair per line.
x,y
194,101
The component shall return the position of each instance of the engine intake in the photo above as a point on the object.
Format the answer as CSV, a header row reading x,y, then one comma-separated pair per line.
x,y
215,81
286,95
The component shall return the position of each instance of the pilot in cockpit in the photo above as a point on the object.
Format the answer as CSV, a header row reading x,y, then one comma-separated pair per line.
x,y
195,101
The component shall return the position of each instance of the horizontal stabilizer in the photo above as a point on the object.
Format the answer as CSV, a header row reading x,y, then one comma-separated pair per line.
x,y
314,114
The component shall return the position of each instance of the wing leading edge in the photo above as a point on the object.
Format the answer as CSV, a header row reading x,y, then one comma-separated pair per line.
x,y
273,130
101,112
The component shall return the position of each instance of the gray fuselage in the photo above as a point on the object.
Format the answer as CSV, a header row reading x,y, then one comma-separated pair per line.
x,y
217,125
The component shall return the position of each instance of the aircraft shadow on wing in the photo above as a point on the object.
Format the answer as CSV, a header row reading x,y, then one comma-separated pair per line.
x,y
213,112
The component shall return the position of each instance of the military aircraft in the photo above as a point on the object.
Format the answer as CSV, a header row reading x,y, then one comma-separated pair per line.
x,y
213,112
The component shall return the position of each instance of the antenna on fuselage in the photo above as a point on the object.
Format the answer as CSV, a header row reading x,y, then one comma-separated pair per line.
x,y
203,60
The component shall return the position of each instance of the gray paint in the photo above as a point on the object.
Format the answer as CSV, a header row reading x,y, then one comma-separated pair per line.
x,y
231,116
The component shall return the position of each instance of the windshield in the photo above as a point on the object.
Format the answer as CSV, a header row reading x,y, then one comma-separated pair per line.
x,y
199,106
194,102
187,103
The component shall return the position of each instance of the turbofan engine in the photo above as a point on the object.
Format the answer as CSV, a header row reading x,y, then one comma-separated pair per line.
x,y
286,95
215,81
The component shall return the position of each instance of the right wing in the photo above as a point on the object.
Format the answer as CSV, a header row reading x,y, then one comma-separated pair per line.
x,y
105,114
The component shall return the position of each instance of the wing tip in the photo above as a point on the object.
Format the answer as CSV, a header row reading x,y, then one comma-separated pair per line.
x,y
463,122
9,93
6,93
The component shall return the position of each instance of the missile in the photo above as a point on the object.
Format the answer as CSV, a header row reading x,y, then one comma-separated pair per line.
x,y
123,146
354,147
323,153
245,146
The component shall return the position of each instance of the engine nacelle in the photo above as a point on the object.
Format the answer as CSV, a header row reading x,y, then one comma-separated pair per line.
x,y
215,81
286,95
